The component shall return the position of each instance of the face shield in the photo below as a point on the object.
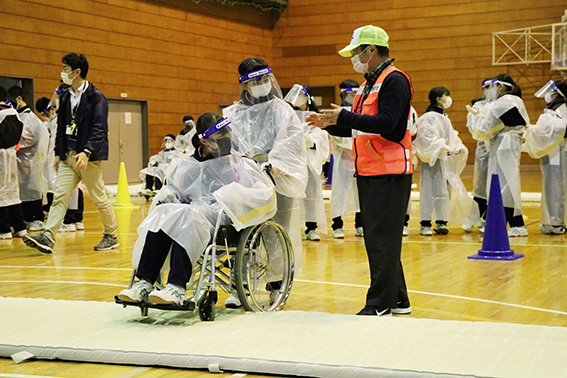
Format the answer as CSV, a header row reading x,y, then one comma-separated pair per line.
x,y
490,88
548,90
259,86
189,124
168,143
216,139
297,96
348,95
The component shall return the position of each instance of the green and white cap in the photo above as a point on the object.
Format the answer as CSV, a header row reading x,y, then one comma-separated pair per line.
x,y
366,35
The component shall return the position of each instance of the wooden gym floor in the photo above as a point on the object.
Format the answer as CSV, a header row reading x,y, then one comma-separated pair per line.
x,y
443,283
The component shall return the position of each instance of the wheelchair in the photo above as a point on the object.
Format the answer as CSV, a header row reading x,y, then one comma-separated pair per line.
x,y
256,263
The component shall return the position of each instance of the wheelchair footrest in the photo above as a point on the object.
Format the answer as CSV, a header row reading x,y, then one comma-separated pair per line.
x,y
185,306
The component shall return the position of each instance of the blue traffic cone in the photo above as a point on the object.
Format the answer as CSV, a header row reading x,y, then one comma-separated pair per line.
x,y
495,245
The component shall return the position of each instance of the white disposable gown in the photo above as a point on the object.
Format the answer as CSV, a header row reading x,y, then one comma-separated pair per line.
x,y
197,191
318,149
183,142
442,193
480,175
159,164
344,192
270,132
32,157
504,145
9,188
546,141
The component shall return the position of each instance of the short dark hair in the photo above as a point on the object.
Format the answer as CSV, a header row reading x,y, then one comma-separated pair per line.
x,y
187,118
75,61
251,64
3,94
382,51
13,94
437,92
41,104
170,135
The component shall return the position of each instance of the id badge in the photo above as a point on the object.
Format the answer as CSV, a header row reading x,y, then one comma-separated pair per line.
x,y
70,130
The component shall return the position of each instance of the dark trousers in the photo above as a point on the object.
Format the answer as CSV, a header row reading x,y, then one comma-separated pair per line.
x,y
33,210
12,216
156,249
513,221
482,206
383,204
338,222
153,183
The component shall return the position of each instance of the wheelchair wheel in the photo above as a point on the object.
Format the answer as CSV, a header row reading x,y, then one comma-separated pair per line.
x,y
207,309
263,267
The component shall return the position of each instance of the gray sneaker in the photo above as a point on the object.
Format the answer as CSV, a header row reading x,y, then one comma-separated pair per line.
x,y
108,242
41,242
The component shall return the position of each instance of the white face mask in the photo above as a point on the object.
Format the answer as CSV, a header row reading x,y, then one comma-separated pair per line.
x,y
169,145
547,97
261,90
357,65
446,102
491,93
66,79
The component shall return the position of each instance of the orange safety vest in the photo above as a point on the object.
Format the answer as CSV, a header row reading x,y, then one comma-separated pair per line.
x,y
374,155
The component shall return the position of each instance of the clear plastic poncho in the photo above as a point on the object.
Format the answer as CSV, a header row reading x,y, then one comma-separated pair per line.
x,y
344,192
9,188
183,142
159,164
270,132
318,149
187,207
543,137
32,157
443,195
480,175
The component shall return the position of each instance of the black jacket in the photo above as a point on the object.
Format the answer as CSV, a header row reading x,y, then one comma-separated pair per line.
x,y
92,124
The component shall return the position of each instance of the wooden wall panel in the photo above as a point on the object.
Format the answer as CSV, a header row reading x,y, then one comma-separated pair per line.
x,y
438,43
180,62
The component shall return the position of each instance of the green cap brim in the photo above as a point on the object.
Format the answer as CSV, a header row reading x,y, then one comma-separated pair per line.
x,y
347,51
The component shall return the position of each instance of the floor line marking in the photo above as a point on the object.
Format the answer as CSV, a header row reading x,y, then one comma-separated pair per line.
x,y
62,267
444,295
64,282
26,376
131,373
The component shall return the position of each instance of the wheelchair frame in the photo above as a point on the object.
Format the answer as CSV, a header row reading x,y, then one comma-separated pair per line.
x,y
251,274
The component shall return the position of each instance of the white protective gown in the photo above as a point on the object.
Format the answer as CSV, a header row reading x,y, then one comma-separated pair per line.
x,y
443,195
197,191
546,141
318,149
183,142
159,164
50,173
504,145
271,132
9,188
344,192
32,157
481,155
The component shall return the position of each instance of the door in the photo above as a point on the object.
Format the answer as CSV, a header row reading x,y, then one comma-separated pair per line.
x,y
128,142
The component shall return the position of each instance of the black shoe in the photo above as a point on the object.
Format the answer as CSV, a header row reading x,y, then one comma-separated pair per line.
x,y
403,308
40,242
372,311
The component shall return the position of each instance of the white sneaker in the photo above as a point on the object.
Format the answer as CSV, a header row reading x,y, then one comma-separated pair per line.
x,y
468,228
7,235
19,234
481,223
139,292
232,301
35,226
441,229
312,235
518,231
405,232
359,231
67,227
79,226
171,294
339,233
552,230
425,231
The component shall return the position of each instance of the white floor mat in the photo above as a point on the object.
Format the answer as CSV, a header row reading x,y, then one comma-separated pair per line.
x,y
283,343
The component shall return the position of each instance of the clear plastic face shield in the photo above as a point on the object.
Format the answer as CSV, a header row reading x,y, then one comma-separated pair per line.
x,y
348,95
492,88
216,139
297,97
549,91
259,86
168,143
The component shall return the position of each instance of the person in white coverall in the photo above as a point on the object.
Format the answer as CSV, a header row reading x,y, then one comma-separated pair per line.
x,y
31,161
442,154
500,124
317,144
546,141
154,174
183,215
271,133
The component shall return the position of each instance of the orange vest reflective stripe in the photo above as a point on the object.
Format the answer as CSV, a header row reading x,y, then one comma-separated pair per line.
x,y
374,155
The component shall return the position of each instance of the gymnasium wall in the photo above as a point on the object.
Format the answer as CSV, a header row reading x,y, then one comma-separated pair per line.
x,y
438,43
180,62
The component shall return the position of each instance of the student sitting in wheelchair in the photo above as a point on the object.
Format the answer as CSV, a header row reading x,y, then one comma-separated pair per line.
x,y
183,216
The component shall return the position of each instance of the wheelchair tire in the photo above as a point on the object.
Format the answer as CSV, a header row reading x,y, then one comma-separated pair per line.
x,y
207,309
264,267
